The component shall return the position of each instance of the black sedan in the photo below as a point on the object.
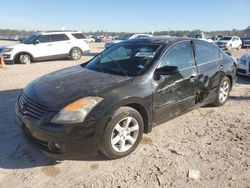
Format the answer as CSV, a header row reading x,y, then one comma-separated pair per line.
x,y
107,103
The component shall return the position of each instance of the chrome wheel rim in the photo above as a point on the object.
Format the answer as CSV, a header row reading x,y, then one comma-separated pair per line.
x,y
25,59
224,91
125,134
76,54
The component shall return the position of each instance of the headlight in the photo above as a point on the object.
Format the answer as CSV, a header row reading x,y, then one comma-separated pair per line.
x,y
77,111
7,49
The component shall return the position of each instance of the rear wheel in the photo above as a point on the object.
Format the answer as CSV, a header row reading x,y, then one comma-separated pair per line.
x,y
123,133
75,54
24,58
223,92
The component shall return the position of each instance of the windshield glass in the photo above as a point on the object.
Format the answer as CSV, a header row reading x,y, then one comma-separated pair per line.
x,y
226,38
30,39
125,37
125,59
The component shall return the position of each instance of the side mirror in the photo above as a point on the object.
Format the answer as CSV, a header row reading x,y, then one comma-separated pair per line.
x,y
166,70
36,42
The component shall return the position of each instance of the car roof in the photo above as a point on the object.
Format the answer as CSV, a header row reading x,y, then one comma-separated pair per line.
x,y
160,40
56,32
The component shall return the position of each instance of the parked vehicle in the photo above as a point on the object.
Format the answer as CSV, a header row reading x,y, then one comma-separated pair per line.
x,y
244,65
126,37
246,42
45,46
107,103
229,42
204,37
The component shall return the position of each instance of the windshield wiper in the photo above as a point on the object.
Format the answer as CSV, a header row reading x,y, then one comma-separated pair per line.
x,y
119,66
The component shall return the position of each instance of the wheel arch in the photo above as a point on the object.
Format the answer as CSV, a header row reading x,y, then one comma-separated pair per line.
x,y
73,48
23,52
141,109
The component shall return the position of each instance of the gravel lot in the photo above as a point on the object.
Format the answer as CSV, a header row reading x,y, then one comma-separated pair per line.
x,y
215,141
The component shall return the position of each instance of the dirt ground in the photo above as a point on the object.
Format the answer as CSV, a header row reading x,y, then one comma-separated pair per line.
x,y
215,141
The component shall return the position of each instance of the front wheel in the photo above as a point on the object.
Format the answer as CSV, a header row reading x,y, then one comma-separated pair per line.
x,y
223,92
239,47
25,59
75,54
123,133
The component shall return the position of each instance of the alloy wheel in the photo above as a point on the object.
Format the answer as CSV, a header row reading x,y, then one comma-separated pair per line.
x,y
125,134
224,91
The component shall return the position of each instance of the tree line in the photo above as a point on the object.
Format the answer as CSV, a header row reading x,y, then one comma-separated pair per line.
x,y
241,33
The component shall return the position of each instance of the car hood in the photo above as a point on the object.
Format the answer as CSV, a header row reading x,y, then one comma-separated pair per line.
x,y
246,57
13,45
60,88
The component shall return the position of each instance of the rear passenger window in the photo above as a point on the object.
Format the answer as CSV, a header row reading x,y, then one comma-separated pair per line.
x,y
205,52
179,55
59,37
78,35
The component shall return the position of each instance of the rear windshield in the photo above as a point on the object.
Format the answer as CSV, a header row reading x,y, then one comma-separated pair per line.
x,y
126,59
78,35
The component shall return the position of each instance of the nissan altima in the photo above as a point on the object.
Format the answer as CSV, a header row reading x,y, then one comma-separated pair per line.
x,y
107,103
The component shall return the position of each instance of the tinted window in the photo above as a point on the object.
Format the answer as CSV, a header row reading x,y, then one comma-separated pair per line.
x,y
44,38
205,52
179,55
78,35
59,37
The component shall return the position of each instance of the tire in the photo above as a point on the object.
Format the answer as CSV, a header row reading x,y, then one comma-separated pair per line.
x,y
239,47
75,53
229,47
24,58
223,92
117,140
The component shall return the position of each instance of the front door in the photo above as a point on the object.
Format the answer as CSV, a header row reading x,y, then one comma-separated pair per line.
x,y
176,93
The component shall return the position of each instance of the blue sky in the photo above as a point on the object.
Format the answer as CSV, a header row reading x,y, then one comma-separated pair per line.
x,y
125,15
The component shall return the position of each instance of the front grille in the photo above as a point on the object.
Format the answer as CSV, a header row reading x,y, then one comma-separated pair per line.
x,y
30,108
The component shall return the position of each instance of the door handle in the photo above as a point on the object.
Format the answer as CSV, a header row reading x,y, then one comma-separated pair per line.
x,y
221,66
69,42
49,44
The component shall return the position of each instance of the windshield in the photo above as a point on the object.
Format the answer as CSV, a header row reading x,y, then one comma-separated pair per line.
x,y
125,59
125,37
226,38
30,39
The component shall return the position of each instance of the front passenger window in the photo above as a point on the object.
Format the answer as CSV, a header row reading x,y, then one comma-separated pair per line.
x,y
44,38
179,55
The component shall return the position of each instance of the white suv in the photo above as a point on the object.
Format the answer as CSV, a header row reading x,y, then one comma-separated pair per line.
x,y
45,46
229,42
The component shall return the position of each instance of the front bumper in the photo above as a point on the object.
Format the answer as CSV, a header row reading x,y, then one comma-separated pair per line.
x,y
60,142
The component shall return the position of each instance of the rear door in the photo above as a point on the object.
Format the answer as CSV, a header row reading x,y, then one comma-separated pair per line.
x,y
61,44
176,93
210,65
